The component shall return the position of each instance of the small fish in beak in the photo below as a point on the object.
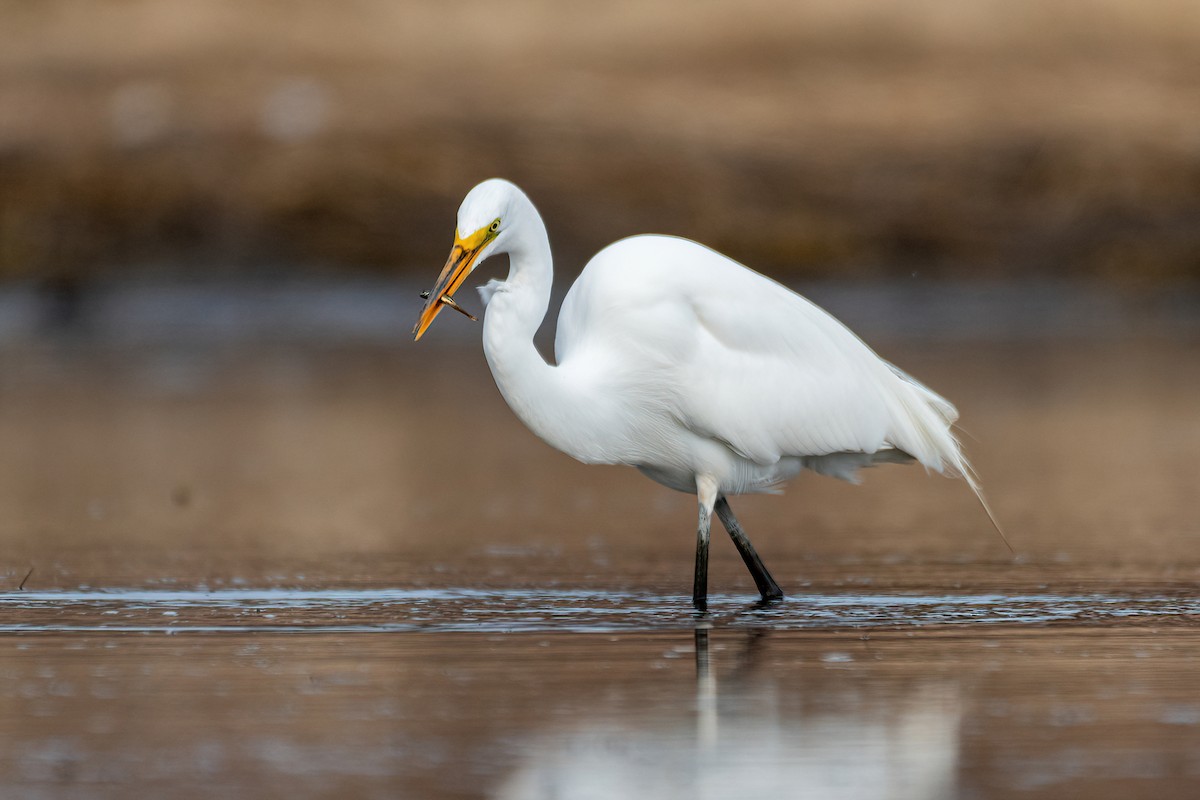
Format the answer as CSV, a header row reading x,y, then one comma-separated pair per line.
x,y
449,301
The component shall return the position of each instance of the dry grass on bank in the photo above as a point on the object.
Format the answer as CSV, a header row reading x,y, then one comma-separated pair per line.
x,y
865,137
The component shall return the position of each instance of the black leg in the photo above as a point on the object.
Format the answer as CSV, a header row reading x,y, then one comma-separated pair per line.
x,y
700,579
767,586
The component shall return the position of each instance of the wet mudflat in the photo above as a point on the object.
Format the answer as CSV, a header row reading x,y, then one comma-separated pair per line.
x,y
289,571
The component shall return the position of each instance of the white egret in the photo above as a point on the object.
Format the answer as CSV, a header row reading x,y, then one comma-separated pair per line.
x,y
705,375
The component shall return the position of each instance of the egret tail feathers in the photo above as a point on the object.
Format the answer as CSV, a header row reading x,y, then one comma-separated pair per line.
x,y
940,404
922,427
968,473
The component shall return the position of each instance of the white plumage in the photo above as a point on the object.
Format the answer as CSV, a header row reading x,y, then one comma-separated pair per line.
x,y
705,375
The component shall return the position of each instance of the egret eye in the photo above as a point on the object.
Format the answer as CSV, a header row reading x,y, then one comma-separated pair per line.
x,y
495,226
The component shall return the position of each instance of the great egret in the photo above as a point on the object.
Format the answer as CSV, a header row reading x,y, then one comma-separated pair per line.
x,y
705,375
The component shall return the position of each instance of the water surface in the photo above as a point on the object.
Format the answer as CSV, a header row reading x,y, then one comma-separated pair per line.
x,y
550,611
341,568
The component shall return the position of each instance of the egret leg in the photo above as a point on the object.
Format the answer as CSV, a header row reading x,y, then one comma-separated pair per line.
x,y
700,579
706,494
767,586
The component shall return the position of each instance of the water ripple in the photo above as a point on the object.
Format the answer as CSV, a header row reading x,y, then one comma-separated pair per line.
x,y
505,610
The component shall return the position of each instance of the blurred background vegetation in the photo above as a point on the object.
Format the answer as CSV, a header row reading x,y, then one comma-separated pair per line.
x,y
995,139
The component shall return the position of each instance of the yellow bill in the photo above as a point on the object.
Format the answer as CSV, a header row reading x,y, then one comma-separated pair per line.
x,y
458,266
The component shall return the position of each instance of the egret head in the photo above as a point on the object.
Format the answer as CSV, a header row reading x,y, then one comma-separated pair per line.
x,y
484,224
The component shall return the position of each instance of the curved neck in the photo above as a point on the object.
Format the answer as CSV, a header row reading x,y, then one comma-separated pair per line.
x,y
543,396
525,295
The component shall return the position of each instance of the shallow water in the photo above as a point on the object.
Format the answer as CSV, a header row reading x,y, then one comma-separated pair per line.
x,y
548,611
347,571
722,712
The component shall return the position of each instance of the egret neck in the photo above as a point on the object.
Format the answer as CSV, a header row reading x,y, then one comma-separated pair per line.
x,y
542,395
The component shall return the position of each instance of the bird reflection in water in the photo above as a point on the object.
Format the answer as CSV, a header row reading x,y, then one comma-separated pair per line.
x,y
748,737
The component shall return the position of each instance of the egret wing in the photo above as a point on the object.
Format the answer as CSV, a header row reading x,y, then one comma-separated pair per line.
x,y
774,375
739,358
